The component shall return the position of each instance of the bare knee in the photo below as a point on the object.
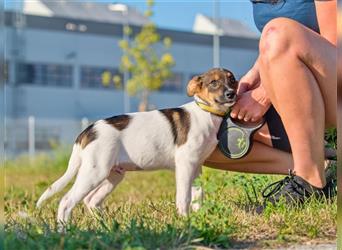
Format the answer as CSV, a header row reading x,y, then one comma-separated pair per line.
x,y
277,39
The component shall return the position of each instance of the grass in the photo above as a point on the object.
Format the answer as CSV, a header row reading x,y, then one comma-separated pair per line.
x,y
140,213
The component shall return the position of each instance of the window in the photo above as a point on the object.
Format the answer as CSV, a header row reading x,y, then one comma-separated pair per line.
x,y
173,84
45,74
100,77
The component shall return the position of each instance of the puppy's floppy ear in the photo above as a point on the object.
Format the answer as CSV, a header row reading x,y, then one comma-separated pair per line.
x,y
232,79
194,85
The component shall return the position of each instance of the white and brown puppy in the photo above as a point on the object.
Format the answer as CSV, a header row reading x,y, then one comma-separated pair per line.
x,y
177,138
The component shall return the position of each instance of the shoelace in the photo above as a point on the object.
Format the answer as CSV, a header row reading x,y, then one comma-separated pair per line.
x,y
275,187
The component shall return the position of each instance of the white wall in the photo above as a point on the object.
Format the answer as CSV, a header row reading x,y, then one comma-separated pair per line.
x,y
47,46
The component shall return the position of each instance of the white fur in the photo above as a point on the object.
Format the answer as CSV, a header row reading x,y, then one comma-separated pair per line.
x,y
147,143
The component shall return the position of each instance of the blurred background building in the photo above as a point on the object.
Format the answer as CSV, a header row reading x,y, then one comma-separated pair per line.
x,y
58,55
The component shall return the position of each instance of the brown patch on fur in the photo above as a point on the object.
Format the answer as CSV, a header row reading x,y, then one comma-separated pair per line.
x,y
87,136
194,85
179,120
120,122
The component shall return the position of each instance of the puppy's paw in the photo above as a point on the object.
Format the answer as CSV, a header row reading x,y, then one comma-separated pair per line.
x,y
61,227
183,210
195,206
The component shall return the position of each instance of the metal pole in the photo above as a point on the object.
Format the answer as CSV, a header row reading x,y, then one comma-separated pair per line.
x,y
125,74
216,37
84,123
31,136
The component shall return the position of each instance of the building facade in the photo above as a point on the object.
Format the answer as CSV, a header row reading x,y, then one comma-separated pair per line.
x,y
56,68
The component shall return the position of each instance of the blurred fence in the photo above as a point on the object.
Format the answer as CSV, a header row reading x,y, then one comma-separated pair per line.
x,y
33,135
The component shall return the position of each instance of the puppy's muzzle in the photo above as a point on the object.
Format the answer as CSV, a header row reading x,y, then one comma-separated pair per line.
x,y
230,95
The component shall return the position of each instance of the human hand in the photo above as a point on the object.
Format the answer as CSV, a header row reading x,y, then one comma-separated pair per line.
x,y
249,81
251,105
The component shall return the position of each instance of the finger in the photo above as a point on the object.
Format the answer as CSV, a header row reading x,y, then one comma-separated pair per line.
x,y
243,87
256,118
235,111
247,117
241,114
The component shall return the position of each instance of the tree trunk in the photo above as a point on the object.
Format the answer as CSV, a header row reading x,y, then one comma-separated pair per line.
x,y
143,106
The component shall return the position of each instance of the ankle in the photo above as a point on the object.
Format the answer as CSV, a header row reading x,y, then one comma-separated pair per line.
x,y
314,178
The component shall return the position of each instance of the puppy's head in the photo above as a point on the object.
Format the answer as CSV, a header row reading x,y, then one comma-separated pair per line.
x,y
217,87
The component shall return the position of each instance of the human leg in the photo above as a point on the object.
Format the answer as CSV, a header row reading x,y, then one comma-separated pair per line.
x,y
262,159
298,71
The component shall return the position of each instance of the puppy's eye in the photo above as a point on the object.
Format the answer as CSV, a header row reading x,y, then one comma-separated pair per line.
x,y
214,84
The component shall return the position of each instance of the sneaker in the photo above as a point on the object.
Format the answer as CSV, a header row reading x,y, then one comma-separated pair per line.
x,y
293,190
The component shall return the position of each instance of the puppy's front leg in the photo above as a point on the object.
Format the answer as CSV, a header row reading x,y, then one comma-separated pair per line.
x,y
185,172
196,193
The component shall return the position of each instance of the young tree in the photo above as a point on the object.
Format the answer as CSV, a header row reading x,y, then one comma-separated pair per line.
x,y
148,66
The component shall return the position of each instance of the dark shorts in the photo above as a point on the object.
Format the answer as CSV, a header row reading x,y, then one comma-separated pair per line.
x,y
277,131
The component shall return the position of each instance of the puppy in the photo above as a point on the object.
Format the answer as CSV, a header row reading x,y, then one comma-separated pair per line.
x,y
176,138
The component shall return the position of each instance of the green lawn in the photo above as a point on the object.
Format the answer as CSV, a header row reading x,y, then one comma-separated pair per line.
x,y
141,214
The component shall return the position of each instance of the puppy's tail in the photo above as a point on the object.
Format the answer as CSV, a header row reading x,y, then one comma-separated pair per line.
x,y
73,166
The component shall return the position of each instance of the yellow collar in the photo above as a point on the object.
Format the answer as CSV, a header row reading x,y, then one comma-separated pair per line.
x,y
206,107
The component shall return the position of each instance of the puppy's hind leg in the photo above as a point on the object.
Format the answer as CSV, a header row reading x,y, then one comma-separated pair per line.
x,y
95,198
90,175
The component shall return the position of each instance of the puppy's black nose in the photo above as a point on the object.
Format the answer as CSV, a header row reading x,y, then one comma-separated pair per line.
x,y
230,95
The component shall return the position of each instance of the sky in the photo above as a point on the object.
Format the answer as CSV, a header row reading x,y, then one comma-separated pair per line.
x,y
180,15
